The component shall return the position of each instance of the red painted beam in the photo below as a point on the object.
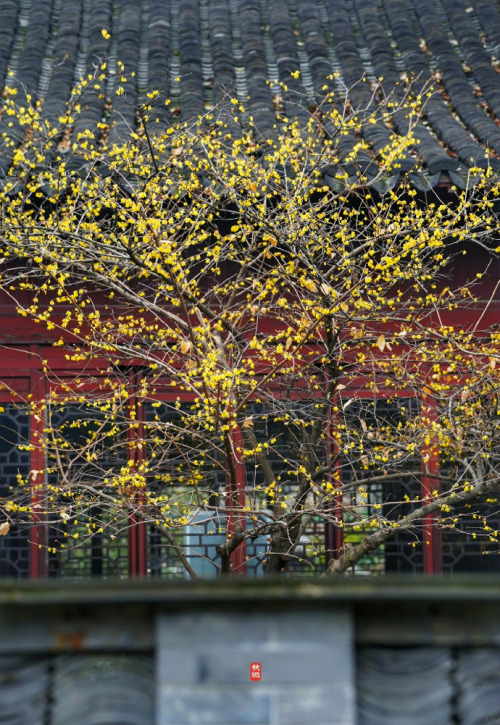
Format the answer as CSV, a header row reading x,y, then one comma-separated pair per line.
x,y
236,501
138,554
39,527
431,534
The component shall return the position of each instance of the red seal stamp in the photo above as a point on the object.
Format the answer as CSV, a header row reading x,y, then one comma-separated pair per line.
x,y
255,671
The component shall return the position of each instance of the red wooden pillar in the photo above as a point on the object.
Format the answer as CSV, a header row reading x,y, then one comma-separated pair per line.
x,y
334,535
137,540
39,564
236,503
432,539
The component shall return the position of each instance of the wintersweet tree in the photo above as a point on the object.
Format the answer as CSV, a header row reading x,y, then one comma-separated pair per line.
x,y
262,344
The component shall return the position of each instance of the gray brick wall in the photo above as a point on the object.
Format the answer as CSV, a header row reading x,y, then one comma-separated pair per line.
x,y
203,674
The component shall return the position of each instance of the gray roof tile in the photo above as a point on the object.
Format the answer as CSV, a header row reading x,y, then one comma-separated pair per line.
x,y
222,49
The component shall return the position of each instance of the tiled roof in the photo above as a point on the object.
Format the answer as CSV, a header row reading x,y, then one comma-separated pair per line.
x,y
199,52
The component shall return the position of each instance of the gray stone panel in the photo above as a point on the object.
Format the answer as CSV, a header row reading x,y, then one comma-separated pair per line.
x,y
313,704
225,665
208,627
203,668
214,707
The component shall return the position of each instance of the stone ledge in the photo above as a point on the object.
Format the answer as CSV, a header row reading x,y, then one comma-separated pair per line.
x,y
274,592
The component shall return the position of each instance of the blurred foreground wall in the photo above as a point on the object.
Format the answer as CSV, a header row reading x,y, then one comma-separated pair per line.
x,y
241,653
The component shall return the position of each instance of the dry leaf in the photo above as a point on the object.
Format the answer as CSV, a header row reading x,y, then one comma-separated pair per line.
x,y
381,343
325,288
344,307
185,346
363,425
4,528
341,386
347,404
